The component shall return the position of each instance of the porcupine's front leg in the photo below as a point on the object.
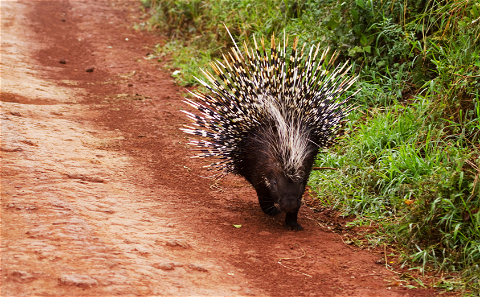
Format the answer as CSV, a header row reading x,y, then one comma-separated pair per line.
x,y
291,220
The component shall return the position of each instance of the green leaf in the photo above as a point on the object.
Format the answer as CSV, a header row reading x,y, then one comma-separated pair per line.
x,y
353,51
475,11
332,24
237,226
358,29
354,14
363,40
360,3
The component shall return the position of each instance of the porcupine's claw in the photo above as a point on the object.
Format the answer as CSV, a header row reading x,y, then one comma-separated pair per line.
x,y
291,221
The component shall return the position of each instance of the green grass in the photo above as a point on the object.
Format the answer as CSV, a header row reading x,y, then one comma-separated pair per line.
x,y
410,161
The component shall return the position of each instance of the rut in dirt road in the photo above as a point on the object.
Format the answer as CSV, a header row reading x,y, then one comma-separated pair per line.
x,y
99,195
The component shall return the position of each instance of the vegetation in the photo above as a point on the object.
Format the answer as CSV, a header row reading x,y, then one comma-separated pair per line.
x,y
410,160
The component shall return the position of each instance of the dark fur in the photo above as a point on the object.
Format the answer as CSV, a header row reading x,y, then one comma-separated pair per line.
x,y
265,172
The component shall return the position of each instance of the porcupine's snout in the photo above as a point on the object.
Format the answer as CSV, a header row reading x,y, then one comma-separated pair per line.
x,y
290,195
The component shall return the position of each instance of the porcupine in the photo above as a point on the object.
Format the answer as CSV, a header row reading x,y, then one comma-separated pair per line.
x,y
267,117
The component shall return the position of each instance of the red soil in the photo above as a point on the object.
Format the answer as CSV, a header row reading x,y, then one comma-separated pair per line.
x,y
99,195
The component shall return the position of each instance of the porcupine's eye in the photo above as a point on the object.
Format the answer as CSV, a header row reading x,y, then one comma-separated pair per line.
x,y
274,185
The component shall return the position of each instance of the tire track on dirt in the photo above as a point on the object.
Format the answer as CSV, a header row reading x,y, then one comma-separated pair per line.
x,y
74,221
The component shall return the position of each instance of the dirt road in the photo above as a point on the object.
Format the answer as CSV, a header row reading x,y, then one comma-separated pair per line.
x,y
99,195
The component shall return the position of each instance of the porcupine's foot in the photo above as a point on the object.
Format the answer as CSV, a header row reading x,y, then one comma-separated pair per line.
x,y
269,208
291,221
